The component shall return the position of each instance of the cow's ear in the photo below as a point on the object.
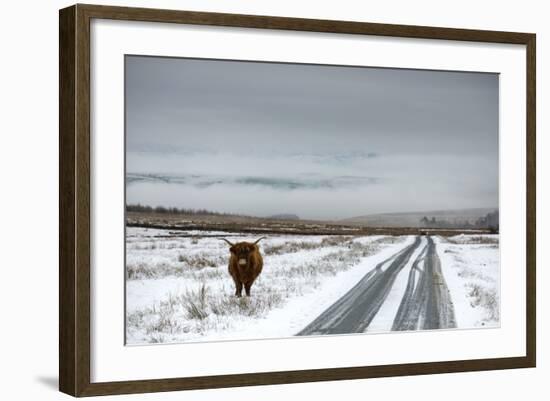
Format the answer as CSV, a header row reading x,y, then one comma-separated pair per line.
x,y
232,249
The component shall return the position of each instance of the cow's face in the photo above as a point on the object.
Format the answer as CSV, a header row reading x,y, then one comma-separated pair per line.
x,y
242,251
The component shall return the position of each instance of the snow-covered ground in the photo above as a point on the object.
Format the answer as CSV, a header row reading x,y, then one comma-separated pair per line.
x,y
471,266
178,288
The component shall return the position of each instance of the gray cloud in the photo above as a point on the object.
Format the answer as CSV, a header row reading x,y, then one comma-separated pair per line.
x,y
422,139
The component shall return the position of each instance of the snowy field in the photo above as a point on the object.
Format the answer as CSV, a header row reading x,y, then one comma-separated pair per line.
x,y
471,265
178,288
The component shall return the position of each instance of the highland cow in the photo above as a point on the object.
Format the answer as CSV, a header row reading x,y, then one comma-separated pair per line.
x,y
245,264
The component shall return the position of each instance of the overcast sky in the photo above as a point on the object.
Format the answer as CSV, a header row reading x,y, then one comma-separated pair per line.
x,y
322,142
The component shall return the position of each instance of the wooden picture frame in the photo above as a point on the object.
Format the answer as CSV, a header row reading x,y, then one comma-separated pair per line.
x,y
74,199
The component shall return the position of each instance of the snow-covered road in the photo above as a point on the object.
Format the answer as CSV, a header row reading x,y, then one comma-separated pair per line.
x,y
425,303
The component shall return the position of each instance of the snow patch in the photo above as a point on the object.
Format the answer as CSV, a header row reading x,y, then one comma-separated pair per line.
x,y
471,266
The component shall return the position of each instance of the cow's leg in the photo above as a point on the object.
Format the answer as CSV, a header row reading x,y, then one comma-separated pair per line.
x,y
247,288
239,289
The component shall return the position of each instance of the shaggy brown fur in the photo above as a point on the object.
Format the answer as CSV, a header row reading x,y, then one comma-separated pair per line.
x,y
245,264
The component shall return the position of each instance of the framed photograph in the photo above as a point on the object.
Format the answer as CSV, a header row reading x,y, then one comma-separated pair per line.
x,y
250,200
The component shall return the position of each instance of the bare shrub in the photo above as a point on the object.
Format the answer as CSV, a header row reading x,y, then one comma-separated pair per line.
x,y
185,264
297,246
157,339
143,245
202,303
289,247
201,260
487,298
135,319
246,306
163,321
474,239
335,240
195,303
139,271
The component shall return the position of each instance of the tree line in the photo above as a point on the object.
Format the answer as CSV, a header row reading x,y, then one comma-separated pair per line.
x,y
489,221
138,208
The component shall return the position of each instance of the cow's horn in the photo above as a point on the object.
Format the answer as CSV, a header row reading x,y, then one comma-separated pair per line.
x,y
259,239
230,243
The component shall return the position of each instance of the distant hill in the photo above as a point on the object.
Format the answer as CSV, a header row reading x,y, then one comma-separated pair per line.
x,y
284,216
414,219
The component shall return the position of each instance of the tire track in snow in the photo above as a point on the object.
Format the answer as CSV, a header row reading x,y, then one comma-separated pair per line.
x,y
408,311
354,311
428,305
